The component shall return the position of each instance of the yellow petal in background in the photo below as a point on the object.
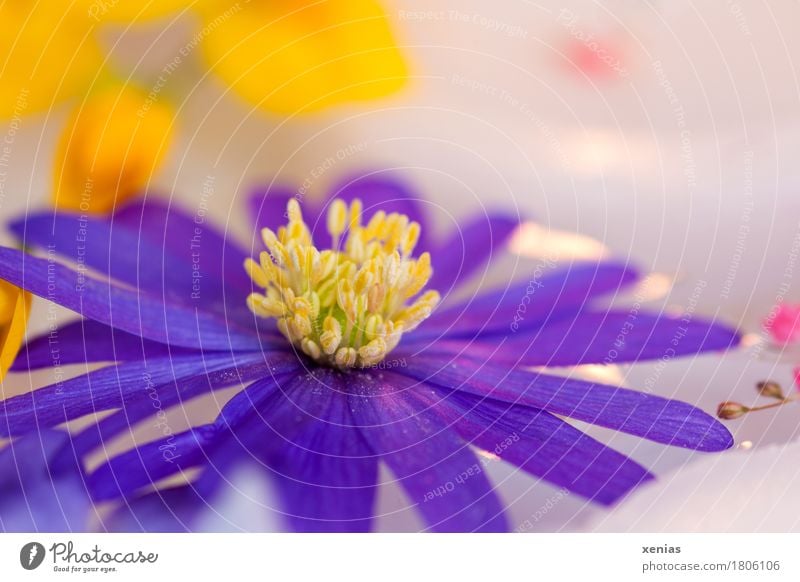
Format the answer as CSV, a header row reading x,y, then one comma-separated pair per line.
x,y
15,305
45,57
130,10
290,56
110,149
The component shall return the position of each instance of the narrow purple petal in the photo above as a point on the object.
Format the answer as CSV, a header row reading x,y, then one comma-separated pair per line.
x,y
168,394
543,445
188,237
435,467
666,421
178,508
469,249
618,337
169,510
544,298
596,338
124,474
107,388
88,341
41,485
125,309
121,254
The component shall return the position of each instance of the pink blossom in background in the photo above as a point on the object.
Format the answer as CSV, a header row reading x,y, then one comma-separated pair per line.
x,y
783,323
596,58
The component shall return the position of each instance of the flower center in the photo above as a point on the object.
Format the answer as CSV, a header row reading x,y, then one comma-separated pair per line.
x,y
348,306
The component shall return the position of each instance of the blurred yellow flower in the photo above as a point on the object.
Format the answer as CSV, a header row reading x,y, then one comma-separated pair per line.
x,y
121,11
110,149
292,56
283,56
45,57
14,308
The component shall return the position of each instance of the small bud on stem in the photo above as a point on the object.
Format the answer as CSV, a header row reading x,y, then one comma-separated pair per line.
x,y
731,410
770,389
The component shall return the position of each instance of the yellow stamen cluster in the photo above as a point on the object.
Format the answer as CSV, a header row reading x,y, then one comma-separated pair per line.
x,y
348,306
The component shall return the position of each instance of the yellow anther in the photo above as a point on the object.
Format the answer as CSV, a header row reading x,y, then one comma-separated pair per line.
x,y
327,293
331,337
337,218
373,352
420,274
302,305
355,214
375,297
355,249
346,299
294,212
269,238
264,306
422,308
363,280
287,294
297,231
313,299
374,224
410,238
256,273
310,348
326,265
373,326
299,326
346,357
392,333
343,307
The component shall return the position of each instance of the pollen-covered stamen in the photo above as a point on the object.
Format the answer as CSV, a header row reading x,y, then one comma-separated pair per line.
x,y
347,306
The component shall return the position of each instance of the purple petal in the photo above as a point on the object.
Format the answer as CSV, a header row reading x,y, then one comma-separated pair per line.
x,y
170,510
124,474
107,388
124,255
188,238
304,438
181,509
171,393
469,249
125,309
597,338
178,509
666,421
543,445
544,298
435,467
323,470
41,485
88,341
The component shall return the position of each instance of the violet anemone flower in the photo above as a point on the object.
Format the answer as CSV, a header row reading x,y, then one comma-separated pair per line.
x,y
347,359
